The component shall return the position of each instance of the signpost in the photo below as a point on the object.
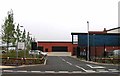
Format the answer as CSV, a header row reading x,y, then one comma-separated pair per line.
x,y
21,45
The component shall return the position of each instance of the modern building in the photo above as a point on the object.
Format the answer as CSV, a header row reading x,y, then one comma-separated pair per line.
x,y
56,46
100,42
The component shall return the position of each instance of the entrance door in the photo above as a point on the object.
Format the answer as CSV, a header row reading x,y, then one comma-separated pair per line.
x,y
59,49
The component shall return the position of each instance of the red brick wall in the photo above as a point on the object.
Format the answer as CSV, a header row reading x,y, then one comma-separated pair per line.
x,y
100,50
71,47
50,44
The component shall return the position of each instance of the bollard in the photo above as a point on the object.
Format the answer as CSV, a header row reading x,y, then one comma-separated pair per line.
x,y
112,60
103,60
8,60
22,61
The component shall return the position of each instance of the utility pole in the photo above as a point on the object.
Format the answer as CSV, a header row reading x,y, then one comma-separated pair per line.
x,y
88,41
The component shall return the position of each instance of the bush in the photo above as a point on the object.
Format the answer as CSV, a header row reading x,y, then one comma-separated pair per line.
x,y
13,54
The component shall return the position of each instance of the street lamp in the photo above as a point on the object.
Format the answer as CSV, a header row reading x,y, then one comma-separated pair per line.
x,y
88,41
94,45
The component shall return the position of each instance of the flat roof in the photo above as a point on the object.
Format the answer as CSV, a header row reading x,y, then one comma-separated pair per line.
x,y
95,33
54,41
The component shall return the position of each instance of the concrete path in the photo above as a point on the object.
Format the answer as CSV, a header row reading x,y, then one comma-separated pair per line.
x,y
59,53
2,67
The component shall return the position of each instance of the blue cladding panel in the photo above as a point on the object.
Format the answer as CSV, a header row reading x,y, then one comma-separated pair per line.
x,y
112,40
99,40
82,40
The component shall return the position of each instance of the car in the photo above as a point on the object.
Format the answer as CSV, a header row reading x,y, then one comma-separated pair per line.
x,y
37,52
34,52
43,53
116,52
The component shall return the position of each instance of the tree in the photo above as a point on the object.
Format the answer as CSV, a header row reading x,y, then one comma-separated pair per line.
x,y
28,41
18,34
23,36
8,31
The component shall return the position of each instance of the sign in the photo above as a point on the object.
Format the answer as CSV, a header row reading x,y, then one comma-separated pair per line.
x,y
21,45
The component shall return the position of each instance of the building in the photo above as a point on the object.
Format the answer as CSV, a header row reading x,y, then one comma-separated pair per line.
x,y
114,30
100,42
56,46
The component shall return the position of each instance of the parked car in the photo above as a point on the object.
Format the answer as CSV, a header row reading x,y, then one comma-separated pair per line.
x,y
113,53
116,52
37,52
43,53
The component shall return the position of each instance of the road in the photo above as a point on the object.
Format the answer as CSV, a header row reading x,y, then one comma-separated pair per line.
x,y
65,66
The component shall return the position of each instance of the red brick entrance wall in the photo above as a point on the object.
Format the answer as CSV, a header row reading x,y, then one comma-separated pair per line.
x,y
48,45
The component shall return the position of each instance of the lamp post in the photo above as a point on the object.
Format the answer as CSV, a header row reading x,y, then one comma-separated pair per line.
x,y
94,45
88,41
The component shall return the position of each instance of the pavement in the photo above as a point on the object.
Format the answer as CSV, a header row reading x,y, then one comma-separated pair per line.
x,y
2,67
58,53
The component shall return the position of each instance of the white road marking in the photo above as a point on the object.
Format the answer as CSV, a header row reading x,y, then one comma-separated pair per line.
x,y
49,71
35,71
7,70
86,71
21,71
66,61
76,72
90,71
78,66
63,72
102,70
94,67
69,63
63,59
113,70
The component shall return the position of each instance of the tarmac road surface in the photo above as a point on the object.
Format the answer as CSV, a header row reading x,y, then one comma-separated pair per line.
x,y
65,66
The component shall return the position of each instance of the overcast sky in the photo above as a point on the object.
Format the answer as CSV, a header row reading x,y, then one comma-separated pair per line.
x,y
54,20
